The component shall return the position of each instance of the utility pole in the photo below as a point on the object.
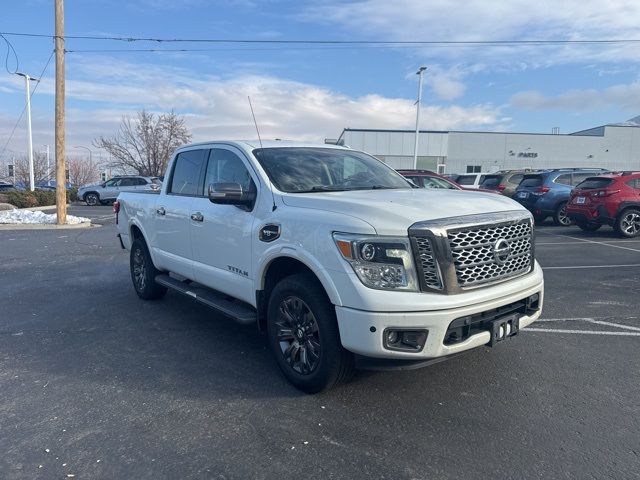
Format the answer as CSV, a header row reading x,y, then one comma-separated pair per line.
x,y
420,73
27,87
61,184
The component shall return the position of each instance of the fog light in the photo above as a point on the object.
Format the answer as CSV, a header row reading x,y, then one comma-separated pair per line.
x,y
403,340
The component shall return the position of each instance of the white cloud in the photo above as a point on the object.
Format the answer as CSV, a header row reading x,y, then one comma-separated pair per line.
x,y
624,96
217,107
500,20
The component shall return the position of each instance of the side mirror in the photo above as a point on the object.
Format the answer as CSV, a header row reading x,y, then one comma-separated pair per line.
x,y
231,194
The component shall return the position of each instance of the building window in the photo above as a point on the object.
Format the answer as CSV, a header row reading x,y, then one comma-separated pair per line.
x,y
474,168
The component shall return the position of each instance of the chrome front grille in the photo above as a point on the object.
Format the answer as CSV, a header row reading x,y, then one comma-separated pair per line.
x,y
454,254
427,264
473,252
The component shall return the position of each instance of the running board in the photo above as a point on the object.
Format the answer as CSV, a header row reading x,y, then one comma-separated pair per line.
x,y
239,311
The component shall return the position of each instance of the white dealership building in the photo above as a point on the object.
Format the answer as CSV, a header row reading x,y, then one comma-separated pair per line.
x,y
614,147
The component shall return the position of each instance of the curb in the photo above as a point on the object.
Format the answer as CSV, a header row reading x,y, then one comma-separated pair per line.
x,y
45,226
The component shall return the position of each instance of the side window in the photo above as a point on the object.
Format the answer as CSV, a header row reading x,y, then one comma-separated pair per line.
x,y
564,179
466,179
186,173
226,167
114,182
140,181
516,179
634,183
128,182
580,177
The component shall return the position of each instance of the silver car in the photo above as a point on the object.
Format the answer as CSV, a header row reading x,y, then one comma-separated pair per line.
x,y
102,193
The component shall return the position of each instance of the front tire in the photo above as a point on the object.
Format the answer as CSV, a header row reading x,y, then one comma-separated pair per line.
x,y
144,272
92,199
304,337
560,216
628,223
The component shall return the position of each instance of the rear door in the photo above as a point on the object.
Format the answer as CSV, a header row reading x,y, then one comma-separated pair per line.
x,y
172,222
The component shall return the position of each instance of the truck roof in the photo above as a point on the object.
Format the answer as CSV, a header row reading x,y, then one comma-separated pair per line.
x,y
251,144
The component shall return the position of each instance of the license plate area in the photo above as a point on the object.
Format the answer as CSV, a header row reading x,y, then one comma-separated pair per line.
x,y
504,328
580,200
523,194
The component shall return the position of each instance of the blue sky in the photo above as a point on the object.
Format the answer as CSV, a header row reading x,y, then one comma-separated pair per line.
x,y
312,92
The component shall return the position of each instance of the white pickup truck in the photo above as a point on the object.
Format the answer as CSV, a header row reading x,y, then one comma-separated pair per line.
x,y
334,255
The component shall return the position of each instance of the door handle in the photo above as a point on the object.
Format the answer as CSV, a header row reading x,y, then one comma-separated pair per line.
x,y
197,217
160,211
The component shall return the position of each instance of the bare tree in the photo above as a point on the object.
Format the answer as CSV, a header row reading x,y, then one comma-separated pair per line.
x,y
21,166
145,143
82,170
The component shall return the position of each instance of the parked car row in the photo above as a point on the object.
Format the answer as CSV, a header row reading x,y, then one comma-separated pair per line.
x,y
588,197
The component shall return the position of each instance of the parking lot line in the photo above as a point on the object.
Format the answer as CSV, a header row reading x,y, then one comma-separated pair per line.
x,y
589,241
570,267
582,242
582,332
594,321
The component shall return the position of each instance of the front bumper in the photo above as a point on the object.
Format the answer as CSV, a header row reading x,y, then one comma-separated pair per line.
x,y
361,332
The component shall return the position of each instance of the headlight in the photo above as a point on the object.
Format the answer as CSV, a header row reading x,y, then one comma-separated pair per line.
x,y
384,263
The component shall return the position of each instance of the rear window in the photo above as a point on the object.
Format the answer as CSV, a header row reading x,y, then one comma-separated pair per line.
x,y
491,181
531,181
466,179
595,182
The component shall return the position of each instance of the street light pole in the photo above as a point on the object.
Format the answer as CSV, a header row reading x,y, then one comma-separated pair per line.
x,y
27,87
420,73
88,150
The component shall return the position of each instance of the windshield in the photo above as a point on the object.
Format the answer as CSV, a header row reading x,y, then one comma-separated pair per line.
x,y
491,181
310,169
531,181
435,182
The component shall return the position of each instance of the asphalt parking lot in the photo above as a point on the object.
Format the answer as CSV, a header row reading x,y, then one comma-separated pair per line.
x,y
96,383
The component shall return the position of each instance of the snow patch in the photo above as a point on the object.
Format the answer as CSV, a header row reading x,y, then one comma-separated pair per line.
x,y
37,217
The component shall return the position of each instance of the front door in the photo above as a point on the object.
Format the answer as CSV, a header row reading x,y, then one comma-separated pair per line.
x,y
221,235
172,242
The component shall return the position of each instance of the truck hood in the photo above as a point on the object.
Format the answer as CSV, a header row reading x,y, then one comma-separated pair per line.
x,y
392,212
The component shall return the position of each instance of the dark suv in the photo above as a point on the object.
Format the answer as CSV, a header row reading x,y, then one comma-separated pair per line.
x,y
612,199
546,193
504,181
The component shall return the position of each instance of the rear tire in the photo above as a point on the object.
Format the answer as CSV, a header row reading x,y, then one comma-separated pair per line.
x,y
588,227
92,199
304,337
144,272
560,216
628,223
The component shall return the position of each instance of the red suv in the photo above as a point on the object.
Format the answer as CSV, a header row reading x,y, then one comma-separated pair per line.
x,y
612,199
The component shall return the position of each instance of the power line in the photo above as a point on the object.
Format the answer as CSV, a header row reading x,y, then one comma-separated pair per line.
x,y
25,105
6,60
334,42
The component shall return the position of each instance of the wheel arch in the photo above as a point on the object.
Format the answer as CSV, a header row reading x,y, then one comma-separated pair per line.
x,y
280,267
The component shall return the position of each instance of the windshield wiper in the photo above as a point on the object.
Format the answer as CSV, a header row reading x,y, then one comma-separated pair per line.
x,y
373,187
322,188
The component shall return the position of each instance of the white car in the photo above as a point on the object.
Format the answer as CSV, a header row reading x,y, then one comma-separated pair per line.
x,y
334,255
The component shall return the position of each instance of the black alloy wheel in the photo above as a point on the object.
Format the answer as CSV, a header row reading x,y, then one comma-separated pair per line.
x,y
304,337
